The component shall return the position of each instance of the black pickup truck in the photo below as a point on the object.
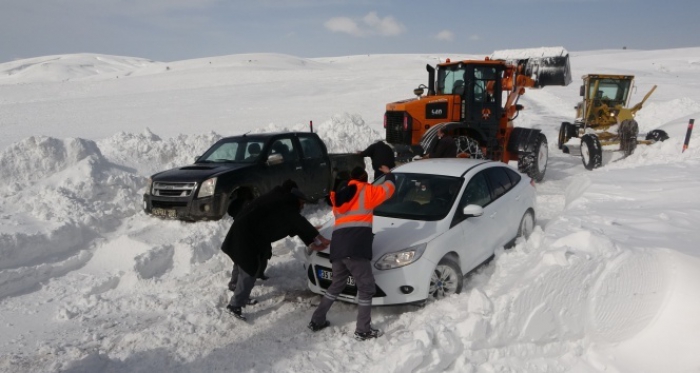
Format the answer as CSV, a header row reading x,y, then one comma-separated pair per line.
x,y
239,168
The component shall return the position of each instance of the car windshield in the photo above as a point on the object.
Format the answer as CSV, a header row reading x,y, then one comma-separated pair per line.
x,y
243,150
420,197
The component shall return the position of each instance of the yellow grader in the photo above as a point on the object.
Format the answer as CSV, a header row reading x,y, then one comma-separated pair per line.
x,y
605,121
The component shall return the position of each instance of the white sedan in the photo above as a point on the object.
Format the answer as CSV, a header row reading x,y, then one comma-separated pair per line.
x,y
446,218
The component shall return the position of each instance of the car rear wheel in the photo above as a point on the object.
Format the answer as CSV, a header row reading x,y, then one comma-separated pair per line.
x,y
446,279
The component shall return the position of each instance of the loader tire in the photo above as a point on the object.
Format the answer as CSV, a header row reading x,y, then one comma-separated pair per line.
x,y
535,163
657,135
591,151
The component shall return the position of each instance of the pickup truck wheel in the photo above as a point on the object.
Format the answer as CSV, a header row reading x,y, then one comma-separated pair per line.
x,y
239,198
447,279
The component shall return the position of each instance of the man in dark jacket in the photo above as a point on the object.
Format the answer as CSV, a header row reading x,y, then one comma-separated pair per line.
x,y
266,201
445,146
351,253
381,154
263,221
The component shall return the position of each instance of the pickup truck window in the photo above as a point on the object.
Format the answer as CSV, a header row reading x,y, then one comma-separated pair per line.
x,y
310,147
286,148
235,150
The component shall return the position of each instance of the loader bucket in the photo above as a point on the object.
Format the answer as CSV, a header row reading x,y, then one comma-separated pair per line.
x,y
547,66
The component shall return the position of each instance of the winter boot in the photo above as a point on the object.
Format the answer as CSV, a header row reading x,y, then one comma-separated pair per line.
x,y
316,327
235,311
372,333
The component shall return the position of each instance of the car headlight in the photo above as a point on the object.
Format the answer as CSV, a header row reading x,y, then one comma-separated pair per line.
x,y
400,258
207,188
149,186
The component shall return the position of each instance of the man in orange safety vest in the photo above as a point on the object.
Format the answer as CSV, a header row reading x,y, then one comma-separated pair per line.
x,y
351,249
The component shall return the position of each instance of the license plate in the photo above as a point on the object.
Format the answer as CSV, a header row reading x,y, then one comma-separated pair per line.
x,y
166,213
328,275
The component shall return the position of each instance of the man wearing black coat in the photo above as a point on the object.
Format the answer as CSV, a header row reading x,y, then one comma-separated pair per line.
x,y
266,201
267,219
381,154
445,147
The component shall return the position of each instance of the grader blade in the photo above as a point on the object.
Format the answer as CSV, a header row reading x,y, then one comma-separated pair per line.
x,y
547,66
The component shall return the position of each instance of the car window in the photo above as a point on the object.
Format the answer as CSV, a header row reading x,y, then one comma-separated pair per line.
x,y
476,192
500,182
284,147
514,177
310,147
233,150
420,196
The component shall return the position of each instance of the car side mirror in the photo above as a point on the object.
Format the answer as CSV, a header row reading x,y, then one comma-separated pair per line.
x,y
196,158
582,91
473,210
274,159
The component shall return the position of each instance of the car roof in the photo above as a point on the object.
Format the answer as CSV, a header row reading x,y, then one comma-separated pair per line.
x,y
441,166
265,135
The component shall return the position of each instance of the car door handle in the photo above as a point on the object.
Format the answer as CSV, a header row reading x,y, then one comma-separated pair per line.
x,y
323,164
493,215
518,197
298,168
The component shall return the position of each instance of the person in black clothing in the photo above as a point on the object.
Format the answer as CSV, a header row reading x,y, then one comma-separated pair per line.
x,y
269,199
381,154
266,219
445,146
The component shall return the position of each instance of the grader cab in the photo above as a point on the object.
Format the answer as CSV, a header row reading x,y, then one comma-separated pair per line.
x,y
605,122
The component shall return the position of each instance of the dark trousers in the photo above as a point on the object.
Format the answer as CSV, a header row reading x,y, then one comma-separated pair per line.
x,y
244,285
361,271
262,266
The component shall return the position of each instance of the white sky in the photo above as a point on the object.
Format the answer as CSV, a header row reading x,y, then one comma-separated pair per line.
x,y
608,282
175,30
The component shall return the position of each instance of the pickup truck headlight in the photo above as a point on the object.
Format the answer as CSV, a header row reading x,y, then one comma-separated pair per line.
x,y
207,188
400,258
149,186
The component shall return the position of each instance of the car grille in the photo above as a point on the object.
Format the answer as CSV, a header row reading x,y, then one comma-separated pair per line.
x,y
167,189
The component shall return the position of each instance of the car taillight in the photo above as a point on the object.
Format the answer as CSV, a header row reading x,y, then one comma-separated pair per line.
x,y
405,122
384,120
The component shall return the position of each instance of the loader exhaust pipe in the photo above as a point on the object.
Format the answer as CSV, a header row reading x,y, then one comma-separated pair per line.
x,y
431,80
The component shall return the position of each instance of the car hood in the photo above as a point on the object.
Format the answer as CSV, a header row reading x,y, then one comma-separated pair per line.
x,y
392,234
198,171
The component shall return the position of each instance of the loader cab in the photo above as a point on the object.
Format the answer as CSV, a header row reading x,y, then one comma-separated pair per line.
x,y
478,86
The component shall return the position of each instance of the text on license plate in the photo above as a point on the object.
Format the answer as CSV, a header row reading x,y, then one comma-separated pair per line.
x,y
168,213
328,275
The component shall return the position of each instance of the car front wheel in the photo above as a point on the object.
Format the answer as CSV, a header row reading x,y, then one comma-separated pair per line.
x,y
446,279
527,225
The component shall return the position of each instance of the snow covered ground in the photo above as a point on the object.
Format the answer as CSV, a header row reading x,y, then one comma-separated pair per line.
x,y
609,281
